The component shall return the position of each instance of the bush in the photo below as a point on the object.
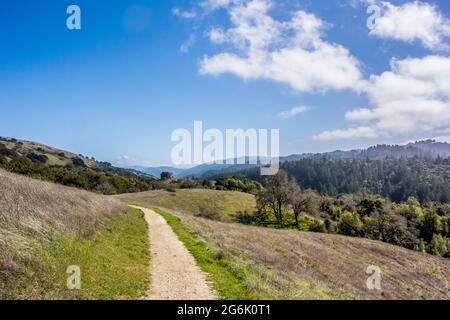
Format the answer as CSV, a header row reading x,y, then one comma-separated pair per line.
x,y
438,246
37,158
207,213
244,217
78,162
349,224
166,175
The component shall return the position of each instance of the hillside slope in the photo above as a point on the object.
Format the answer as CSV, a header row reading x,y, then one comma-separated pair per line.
x,y
284,264
45,227
218,205
40,153
46,163
288,264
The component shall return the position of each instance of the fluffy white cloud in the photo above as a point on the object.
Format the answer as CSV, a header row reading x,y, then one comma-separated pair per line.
x,y
291,52
414,97
293,112
413,21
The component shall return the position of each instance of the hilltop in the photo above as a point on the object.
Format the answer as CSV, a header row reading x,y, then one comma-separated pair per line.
x,y
40,153
51,164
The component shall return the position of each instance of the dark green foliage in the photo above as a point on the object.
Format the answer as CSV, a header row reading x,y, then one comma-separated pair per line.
x,y
78,162
391,228
369,206
237,184
245,217
4,151
37,158
166,175
84,178
411,225
427,179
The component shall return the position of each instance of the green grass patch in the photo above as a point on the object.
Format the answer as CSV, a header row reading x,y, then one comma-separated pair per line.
x,y
114,262
228,279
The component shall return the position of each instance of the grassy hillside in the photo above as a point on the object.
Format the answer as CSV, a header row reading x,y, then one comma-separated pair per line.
x,y
45,228
218,205
40,153
42,162
285,264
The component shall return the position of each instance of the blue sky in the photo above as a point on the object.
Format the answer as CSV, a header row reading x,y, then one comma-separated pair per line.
x,y
138,70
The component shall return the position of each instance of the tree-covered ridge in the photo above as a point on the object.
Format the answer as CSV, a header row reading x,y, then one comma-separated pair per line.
x,y
427,179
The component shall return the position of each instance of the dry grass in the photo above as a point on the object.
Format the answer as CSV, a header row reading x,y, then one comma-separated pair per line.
x,y
285,264
219,205
32,211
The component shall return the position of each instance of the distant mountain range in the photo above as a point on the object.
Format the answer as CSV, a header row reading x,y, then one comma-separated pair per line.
x,y
425,148
196,171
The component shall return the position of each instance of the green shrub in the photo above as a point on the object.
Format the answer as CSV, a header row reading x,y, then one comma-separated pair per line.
x,y
349,224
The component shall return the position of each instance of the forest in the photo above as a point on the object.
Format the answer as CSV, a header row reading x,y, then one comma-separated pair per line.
x,y
283,204
397,179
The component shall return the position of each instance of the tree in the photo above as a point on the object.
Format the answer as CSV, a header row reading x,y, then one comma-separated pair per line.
x,y
301,202
78,162
369,206
276,195
438,246
349,224
166,175
391,228
431,225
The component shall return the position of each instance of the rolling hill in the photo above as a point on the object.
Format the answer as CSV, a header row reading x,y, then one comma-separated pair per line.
x,y
12,148
50,164
221,205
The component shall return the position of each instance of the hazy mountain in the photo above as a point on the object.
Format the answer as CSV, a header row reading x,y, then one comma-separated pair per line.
x,y
156,171
426,148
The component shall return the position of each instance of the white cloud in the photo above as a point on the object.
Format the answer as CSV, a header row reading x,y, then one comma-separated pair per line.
x,y
184,48
293,112
291,52
186,14
211,5
413,21
216,35
358,132
414,97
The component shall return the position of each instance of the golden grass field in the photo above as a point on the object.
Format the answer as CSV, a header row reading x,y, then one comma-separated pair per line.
x,y
223,205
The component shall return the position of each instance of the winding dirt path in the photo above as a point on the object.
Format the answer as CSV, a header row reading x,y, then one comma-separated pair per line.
x,y
174,273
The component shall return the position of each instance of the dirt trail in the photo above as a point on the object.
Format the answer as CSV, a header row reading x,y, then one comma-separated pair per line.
x,y
174,273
